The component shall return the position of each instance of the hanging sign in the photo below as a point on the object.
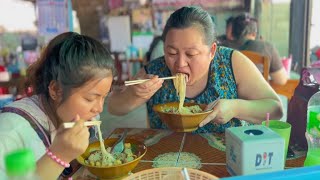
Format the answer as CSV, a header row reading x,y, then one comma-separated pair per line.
x,y
53,16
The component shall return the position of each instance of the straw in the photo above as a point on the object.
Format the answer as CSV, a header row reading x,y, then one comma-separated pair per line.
x,y
267,119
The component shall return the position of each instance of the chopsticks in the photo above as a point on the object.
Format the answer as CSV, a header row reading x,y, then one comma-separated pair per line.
x,y
139,81
87,123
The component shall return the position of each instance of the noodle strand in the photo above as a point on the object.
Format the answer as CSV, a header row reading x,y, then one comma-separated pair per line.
x,y
180,85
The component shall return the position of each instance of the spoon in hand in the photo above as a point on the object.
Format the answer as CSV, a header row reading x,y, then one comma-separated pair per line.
x,y
119,145
211,105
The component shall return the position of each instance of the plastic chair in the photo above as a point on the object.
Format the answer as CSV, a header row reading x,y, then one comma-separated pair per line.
x,y
257,59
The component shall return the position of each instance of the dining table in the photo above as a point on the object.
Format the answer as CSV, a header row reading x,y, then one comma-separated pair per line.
x,y
166,148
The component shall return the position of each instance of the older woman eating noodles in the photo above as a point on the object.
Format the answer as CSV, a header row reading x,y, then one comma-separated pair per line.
x,y
212,72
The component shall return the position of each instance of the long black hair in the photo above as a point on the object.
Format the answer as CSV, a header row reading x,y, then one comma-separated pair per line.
x,y
71,60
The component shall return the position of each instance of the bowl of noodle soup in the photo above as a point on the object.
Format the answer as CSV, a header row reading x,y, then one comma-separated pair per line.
x,y
115,169
181,116
186,121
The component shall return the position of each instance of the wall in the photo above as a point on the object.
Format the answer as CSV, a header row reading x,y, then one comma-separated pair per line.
x,y
88,16
275,25
274,22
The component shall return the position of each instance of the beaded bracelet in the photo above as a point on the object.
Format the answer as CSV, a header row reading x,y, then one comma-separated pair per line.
x,y
56,159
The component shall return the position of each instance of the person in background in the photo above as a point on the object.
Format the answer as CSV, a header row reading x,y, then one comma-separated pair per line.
x,y
213,72
245,38
224,40
70,82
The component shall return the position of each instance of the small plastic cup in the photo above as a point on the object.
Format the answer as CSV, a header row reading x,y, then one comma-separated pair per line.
x,y
283,129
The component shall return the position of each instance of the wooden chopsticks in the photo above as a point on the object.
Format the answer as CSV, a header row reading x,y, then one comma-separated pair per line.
x,y
139,81
87,123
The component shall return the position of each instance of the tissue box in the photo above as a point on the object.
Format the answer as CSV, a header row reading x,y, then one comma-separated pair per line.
x,y
253,149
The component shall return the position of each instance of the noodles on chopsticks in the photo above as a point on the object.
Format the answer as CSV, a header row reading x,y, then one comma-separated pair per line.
x,y
180,84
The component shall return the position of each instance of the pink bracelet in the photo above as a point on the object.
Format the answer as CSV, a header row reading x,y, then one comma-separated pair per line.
x,y
56,159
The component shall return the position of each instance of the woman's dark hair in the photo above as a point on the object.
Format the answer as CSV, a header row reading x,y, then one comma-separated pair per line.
x,y
191,16
243,25
71,60
229,20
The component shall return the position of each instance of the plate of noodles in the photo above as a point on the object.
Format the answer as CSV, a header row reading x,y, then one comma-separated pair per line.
x,y
99,160
181,116
181,122
115,165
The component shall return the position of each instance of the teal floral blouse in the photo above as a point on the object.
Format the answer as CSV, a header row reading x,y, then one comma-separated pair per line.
x,y
221,83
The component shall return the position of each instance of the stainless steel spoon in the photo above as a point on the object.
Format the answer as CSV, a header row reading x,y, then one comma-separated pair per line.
x,y
211,105
118,147
185,174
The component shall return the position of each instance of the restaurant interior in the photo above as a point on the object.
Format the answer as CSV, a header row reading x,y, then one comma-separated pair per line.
x,y
128,28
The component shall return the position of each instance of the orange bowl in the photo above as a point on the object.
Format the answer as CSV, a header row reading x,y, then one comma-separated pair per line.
x,y
181,122
116,171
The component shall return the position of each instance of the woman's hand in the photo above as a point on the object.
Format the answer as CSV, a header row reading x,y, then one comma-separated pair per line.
x,y
147,89
222,113
71,143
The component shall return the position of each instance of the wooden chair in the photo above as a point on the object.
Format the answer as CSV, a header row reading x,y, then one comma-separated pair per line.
x,y
286,89
121,75
257,58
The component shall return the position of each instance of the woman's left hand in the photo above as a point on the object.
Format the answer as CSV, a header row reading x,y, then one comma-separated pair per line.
x,y
222,113
147,89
